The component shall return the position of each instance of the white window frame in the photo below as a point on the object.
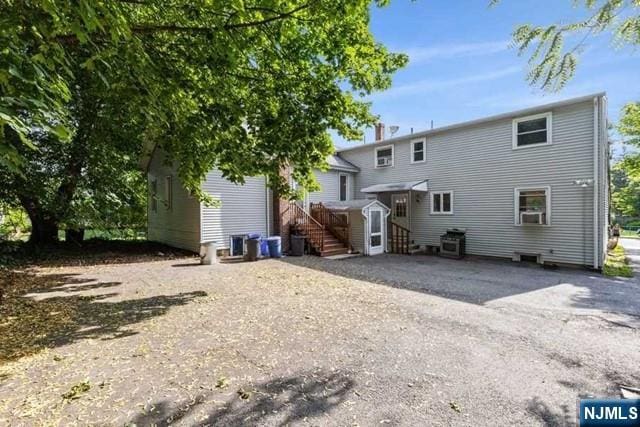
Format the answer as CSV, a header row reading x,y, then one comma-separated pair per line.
x,y
516,205
440,193
244,242
375,156
424,150
514,143
346,195
168,192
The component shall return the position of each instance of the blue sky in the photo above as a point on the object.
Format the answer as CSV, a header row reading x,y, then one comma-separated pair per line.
x,y
461,66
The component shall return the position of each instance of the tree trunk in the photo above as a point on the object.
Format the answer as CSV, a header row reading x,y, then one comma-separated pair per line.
x,y
74,235
44,230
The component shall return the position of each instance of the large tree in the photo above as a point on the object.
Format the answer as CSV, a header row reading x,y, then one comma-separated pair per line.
x,y
552,62
244,86
626,172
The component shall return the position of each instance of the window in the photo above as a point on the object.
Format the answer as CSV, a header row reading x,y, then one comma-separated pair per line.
x,y
400,207
237,246
343,187
532,206
168,192
384,156
418,151
154,195
442,202
532,131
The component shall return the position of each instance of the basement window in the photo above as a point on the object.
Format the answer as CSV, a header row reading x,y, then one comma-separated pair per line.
x,y
237,246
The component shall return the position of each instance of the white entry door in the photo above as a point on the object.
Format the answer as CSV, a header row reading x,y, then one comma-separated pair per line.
x,y
400,209
376,231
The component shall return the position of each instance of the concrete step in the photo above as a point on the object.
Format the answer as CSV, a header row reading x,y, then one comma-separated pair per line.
x,y
332,252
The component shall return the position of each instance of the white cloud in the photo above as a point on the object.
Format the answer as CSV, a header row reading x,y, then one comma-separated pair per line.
x,y
431,85
455,50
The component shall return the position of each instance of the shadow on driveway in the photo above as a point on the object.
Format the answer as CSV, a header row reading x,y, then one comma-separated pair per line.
x,y
281,401
45,311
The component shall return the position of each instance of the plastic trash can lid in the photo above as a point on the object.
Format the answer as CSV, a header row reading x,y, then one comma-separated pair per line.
x,y
253,236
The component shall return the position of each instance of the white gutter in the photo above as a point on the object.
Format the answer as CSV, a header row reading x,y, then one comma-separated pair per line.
x,y
596,137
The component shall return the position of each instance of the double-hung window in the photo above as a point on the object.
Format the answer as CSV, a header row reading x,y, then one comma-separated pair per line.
x,y
154,195
442,203
533,206
384,156
418,149
532,131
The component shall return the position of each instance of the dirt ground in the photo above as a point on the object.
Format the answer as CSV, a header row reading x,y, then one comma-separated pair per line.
x,y
387,340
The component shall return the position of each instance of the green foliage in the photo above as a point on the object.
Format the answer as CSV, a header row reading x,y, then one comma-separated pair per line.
x,y
625,175
14,223
551,64
630,123
617,264
245,86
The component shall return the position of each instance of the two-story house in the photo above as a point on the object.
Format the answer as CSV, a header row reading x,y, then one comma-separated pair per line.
x,y
529,184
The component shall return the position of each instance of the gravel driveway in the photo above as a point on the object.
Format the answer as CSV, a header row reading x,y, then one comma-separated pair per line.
x,y
386,340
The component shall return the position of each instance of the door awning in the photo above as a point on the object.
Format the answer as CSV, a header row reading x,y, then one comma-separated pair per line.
x,y
398,186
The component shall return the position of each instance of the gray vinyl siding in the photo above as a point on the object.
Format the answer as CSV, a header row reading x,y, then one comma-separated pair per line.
x,y
478,164
329,182
243,209
179,226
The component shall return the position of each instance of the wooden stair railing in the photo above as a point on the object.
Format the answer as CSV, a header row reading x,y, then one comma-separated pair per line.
x,y
399,239
338,225
304,223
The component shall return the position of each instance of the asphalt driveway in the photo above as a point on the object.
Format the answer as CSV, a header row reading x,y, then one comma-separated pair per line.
x,y
387,340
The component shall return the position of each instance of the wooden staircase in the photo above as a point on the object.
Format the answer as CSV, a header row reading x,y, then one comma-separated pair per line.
x,y
325,239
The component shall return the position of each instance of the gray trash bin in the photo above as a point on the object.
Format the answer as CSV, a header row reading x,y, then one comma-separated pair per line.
x,y
208,253
253,249
297,245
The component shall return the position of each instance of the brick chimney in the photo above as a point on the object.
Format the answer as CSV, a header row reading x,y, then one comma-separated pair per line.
x,y
379,131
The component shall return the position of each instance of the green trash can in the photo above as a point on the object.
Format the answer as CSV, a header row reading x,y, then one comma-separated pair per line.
x,y
297,245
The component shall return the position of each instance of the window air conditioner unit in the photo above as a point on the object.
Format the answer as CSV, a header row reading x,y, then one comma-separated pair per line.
x,y
384,161
531,218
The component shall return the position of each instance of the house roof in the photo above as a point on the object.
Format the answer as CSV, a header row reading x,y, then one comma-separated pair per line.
x,y
397,186
349,205
338,163
511,114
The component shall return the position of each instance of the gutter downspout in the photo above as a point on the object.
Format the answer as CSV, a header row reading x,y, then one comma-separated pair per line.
x,y
596,185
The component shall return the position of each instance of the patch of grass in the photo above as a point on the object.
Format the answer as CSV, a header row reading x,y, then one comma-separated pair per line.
x,y
617,264
629,234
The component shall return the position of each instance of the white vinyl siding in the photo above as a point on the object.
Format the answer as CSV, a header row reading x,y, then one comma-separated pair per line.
x,y
329,182
179,226
243,209
478,164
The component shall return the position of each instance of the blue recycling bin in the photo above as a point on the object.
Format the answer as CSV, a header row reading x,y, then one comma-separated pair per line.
x,y
275,246
264,247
